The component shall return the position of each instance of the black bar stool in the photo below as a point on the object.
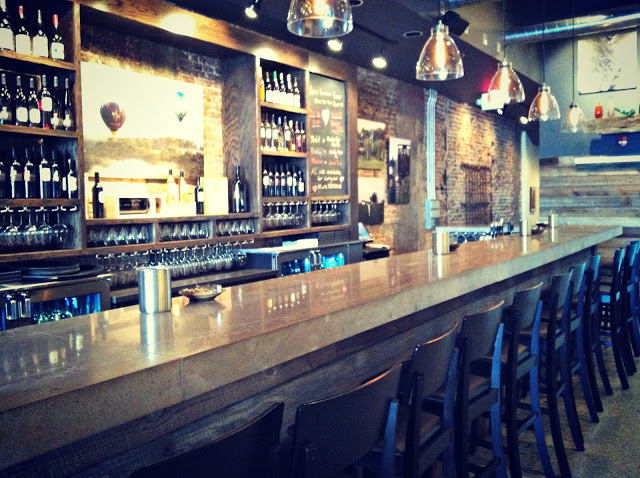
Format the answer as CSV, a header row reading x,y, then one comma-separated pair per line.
x,y
576,344
611,309
245,453
592,342
332,435
630,303
480,337
520,360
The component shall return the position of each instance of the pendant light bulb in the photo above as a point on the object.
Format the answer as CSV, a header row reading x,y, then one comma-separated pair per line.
x,y
252,9
320,18
506,84
440,58
574,118
544,106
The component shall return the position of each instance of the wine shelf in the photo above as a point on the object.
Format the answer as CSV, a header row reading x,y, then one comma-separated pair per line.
x,y
283,108
36,60
39,202
283,154
618,124
29,130
283,199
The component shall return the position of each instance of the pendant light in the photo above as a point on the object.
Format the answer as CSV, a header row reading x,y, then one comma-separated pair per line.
x,y
544,106
575,116
506,82
320,18
440,58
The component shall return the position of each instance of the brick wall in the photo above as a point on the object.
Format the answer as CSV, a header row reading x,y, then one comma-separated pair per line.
x,y
144,56
464,135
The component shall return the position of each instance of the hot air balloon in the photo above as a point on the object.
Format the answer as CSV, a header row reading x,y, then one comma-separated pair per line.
x,y
113,116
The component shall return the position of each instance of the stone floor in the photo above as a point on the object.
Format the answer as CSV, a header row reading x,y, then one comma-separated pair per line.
x,y
612,447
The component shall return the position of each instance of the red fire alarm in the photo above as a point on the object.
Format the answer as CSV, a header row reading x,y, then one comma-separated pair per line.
x,y
622,140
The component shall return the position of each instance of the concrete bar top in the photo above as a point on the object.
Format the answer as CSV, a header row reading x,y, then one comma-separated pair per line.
x,y
61,382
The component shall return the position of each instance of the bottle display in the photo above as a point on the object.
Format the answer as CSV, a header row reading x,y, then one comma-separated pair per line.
x,y
56,177
23,37
3,176
199,195
71,179
33,106
20,103
281,89
56,106
44,173
172,189
6,102
6,29
98,198
56,50
45,103
30,177
282,180
277,135
239,198
68,117
16,183
181,187
40,40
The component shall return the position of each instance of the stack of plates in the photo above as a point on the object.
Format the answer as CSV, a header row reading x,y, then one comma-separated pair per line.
x,y
57,270
9,276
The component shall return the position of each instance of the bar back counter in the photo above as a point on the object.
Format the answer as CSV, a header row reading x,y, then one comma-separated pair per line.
x,y
100,395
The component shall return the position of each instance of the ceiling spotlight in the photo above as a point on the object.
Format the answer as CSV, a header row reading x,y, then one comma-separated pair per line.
x,y
457,25
320,18
379,61
335,44
253,7
524,120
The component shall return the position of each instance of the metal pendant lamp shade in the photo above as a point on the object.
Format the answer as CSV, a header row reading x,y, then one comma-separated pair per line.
x,y
574,119
544,106
320,18
440,58
507,84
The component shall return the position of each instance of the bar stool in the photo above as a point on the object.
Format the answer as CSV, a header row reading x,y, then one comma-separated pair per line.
x,y
630,278
611,315
248,452
577,346
593,344
332,435
520,360
480,337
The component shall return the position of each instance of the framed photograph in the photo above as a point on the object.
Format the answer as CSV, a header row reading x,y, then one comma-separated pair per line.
x,y
372,148
608,62
398,171
533,199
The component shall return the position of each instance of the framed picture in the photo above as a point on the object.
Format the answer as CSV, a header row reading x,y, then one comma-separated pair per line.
x,y
398,171
608,62
533,199
372,150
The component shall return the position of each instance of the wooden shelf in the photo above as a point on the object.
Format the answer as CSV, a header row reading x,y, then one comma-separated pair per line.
x,y
283,154
36,255
39,202
289,109
332,227
330,198
9,128
36,60
161,219
617,124
282,199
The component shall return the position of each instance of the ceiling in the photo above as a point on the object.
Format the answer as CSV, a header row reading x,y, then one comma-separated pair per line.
x,y
383,23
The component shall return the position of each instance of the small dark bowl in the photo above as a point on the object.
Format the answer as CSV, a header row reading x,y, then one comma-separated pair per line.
x,y
453,247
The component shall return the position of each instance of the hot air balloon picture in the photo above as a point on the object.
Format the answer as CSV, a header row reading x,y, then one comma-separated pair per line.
x,y
113,116
181,108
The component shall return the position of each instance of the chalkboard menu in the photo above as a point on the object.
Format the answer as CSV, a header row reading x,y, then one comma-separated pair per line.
x,y
326,130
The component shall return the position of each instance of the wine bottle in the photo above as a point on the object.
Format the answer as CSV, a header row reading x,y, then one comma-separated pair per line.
x,y
40,39
301,185
292,141
275,132
262,86
44,170
56,106
45,102
199,195
172,188
30,177
72,178
290,99
297,102
276,182
263,133
56,175
68,118
265,181
283,90
289,182
239,193
294,183
272,184
16,184
268,89
20,102
32,104
303,139
23,38
287,135
3,176
181,186
298,138
276,88
282,187
98,198
280,144
56,51
6,103
6,30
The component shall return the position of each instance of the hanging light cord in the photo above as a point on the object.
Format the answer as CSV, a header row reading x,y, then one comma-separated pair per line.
x,y
573,52
504,29
544,28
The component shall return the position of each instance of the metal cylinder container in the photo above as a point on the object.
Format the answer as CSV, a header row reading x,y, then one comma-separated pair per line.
x,y
525,227
154,289
440,242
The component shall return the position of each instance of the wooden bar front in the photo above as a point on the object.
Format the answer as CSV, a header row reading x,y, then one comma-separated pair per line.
x,y
129,388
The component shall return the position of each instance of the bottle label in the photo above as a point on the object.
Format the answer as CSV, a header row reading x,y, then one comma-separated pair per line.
x,y
23,44
55,120
268,96
287,136
101,197
57,51
15,175
4,114
27,175
66,122
56,176
6,39
268,133
296,100
301,188
22,114
200,196
40,46
45,175
46,104
72,184
289,181
64,183
265,180
34,115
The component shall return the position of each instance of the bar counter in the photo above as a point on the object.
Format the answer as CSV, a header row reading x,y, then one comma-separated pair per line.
x,y
83,383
